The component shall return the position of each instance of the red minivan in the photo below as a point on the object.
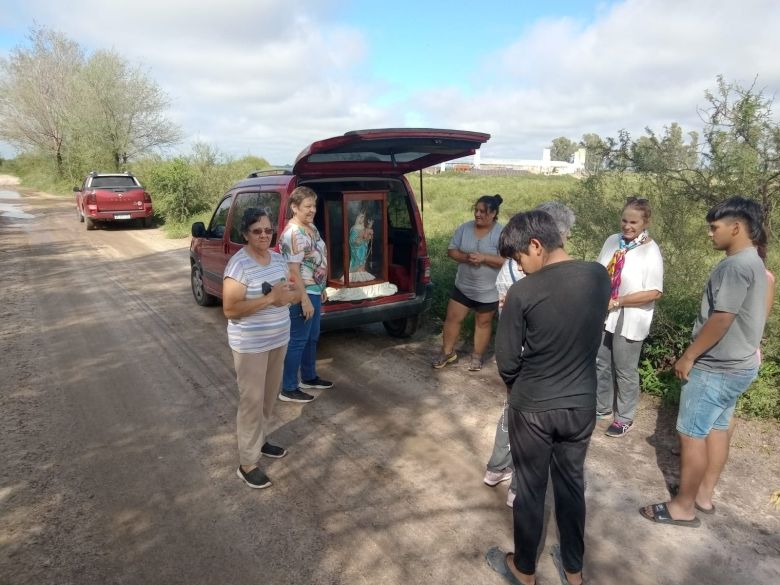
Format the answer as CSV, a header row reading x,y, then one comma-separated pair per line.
x,y
360,181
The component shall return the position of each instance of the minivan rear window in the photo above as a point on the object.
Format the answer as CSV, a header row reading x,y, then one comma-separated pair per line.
x,y
330,157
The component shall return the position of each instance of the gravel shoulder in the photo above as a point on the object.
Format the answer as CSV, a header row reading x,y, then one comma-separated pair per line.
x,y
118,401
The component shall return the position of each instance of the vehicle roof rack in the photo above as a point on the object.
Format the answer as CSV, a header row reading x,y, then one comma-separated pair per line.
x,y
268,173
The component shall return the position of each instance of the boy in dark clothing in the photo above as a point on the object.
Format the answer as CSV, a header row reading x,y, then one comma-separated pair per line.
x,y
546,345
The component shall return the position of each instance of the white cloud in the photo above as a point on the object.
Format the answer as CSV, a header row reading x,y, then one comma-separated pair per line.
x,y
268,77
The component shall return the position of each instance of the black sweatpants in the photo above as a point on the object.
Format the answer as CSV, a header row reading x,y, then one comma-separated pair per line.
x,y
554,442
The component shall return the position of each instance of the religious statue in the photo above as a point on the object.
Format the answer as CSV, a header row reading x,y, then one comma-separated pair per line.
x,y
361,236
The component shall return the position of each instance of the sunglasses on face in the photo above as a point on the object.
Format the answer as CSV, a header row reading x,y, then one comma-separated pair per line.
x,y
259,231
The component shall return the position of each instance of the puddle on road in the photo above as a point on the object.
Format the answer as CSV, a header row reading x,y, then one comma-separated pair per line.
x,y
9,194
13,211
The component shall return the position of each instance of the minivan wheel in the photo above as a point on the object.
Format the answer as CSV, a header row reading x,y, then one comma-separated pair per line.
x,y
90,223
404,327
147,221
203,298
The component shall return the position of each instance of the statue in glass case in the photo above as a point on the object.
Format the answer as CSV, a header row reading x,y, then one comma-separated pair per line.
x,y
361,237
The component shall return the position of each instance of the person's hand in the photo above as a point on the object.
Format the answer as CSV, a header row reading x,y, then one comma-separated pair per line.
x,y
324,296
501,299
682,367
368,233
283,294
613,304
475,259
306,307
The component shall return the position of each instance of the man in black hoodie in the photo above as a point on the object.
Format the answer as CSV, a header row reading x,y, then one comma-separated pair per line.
x,y
546,346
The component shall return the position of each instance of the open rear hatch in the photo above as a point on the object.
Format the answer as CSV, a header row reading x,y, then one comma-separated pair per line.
x,y
388,150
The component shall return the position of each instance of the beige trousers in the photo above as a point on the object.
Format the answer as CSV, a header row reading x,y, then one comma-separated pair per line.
x,y
259,377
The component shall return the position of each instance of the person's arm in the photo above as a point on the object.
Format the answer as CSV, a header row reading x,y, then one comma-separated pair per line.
x,y
453,250
711,333
635,299
306,307
770,292
458,256
510,338
235,304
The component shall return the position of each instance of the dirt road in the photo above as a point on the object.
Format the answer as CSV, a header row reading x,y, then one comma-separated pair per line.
x,y
117,434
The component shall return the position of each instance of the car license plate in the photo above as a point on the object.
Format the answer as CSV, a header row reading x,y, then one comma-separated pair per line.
x,y
121,216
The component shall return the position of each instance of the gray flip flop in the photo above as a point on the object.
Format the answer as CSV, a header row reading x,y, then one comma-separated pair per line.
x,y
705,510
661,515
496,560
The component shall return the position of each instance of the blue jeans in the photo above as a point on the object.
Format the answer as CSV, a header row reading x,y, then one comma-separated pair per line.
x,y
708,399
302,349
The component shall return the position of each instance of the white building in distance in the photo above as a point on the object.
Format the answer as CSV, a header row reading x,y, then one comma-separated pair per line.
x,y
545,166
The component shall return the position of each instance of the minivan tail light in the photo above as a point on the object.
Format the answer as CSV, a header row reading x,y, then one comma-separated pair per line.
x,y
425,270
147,197
91,198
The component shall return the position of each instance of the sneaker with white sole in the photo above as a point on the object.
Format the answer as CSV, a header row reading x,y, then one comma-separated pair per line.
x,y
493,478
316,384
510,498
255,479
618,429
295,396
444,359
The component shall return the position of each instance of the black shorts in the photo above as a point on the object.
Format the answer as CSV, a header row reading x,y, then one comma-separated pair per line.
x,y
478,307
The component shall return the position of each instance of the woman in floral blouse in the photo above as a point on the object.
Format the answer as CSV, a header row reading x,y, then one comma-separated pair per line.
x,y
304,250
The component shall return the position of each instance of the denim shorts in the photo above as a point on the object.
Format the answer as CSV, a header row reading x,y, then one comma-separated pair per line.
x,y
708,399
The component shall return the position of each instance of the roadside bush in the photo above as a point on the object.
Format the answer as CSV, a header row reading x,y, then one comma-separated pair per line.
x,y
185,189
177,194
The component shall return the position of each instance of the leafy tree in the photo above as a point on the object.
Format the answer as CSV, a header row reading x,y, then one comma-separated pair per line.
x,y
563,149
739,154
82,113
653,154
597,152
37,86
123,111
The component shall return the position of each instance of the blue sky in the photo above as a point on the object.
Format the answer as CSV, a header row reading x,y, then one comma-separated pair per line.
x,y
268,77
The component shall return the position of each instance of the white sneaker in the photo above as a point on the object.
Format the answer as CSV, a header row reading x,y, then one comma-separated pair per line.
x,y
510,498
493,478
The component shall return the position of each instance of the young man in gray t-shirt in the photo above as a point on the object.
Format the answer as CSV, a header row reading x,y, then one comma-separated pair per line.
x,y
721,363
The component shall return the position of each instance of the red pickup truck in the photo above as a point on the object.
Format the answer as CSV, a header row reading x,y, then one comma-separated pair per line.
x,y
112,197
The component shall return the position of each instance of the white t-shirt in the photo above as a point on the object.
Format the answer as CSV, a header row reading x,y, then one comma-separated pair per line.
x,y
509,274
643,270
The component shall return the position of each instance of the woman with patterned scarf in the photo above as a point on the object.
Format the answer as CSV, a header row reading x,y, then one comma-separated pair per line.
x,y
636,268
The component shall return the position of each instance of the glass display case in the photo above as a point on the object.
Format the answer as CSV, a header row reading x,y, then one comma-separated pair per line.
x,y
356,237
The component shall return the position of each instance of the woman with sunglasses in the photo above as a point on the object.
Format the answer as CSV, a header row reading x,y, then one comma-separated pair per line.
x,y
636,269
256,293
